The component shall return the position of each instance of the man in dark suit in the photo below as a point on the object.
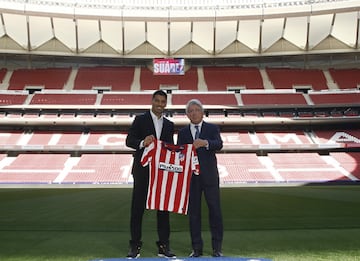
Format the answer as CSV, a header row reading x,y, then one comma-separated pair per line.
x,y
144,129
207,140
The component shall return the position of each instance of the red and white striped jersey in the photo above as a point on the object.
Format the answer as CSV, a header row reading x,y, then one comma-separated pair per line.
x,y
170,170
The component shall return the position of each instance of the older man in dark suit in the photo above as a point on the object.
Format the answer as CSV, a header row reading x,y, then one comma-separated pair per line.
x,y
144,129
207,140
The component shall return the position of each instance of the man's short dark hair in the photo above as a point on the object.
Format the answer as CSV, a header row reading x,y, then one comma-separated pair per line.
x,y
159,92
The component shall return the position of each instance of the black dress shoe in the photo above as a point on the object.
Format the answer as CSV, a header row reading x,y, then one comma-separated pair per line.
x,y
217,253
134,252
196,253
134,249
164,250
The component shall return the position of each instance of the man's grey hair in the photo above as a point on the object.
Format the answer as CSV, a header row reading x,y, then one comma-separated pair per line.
x,y
194,102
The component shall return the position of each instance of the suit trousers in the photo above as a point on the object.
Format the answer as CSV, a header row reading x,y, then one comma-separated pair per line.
x,y
139,195
212,198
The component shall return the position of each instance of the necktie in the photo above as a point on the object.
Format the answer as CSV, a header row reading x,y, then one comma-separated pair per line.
x,y
197,133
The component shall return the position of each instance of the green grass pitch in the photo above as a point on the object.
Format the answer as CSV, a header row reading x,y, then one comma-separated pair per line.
x,y
280,223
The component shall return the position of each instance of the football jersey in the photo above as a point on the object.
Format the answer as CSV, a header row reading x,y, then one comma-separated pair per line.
x,y
170,171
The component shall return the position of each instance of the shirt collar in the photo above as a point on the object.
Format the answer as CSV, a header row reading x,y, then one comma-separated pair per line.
x,y
199,124
154,117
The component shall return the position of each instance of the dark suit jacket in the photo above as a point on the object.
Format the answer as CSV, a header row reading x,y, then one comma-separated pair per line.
x,y
207,158
141,127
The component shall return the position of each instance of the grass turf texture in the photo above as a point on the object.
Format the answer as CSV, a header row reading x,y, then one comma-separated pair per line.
x,y
279,223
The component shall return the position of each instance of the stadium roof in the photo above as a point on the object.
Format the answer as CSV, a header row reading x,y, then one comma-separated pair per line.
x,y
179,28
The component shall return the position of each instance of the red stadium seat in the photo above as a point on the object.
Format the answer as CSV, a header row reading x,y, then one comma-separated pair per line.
x,y
346,78
341,98
289,78
13,98
225,99
63,99
273,99
115,78
49,78
223,78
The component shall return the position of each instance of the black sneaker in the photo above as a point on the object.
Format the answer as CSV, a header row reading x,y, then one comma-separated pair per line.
x,y
164,251
134,250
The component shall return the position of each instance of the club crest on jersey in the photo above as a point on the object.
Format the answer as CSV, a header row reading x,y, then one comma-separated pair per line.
x,y
181,156
170,167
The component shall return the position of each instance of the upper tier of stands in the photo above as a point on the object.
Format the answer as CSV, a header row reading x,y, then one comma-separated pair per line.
x,y
346,78
223,78
288,78
209,78
116,78
133,86
50,78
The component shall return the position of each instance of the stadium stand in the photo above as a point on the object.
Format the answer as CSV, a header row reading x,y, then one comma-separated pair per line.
x,y
210,98
243,168
234,168
273,99
12,98
289,78
344,98
347,137
85,129
295,139
304,167
63,99
43,78
348,162
42,138
133,98
10,138
231,77
346,78
32,168
116,78
100,168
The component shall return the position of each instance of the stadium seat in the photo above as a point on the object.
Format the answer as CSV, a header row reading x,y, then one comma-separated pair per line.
x,y
231,77
346,78
114,78
47,78
290,78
